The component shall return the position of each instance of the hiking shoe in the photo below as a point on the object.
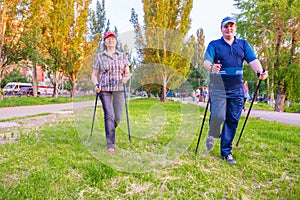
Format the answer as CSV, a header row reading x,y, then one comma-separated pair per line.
x,y
230,159
210,142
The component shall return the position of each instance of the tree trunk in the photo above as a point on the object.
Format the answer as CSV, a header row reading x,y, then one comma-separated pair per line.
x,y
34,80
271,99
2,36
280,103
149,93
72,92
163,96
280,98
55,84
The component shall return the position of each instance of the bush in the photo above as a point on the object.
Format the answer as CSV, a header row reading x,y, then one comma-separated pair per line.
x,y
14,76
1,94
293,108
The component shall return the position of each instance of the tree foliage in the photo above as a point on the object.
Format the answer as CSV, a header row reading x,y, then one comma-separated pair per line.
x,y
14,76
199,75
78,46
97,21
12,17
162,43
272,27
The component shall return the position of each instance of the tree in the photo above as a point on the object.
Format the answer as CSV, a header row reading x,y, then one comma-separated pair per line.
x,y
11,29
276,22
199,76
63,37
163,44
30,44
77,43
97,21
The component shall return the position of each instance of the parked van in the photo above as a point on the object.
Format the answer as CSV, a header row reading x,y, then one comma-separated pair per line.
x,y
13,88
45,88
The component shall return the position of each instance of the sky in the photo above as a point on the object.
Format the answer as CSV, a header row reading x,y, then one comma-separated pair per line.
x,y
206,14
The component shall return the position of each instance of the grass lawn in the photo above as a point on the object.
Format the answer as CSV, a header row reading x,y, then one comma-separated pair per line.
x,y
29,101
61,161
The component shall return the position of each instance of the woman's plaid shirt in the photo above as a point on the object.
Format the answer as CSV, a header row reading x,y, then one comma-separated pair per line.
x,y
111,70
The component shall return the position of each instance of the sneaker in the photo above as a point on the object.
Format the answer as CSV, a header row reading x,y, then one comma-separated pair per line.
x,y
230,159
210,142
111,150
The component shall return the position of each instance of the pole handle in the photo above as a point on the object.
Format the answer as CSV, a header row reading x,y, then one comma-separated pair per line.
x,y
258,74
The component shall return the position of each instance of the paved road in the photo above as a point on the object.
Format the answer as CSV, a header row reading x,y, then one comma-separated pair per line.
x,y
21,111
7,113
287,118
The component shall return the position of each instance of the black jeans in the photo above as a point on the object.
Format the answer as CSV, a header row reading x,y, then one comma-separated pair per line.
x,y
112,104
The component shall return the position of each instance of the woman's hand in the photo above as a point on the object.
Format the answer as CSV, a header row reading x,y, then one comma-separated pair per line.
x,y
97,89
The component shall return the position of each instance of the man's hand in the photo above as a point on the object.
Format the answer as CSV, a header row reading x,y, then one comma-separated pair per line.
x,y
263,75
215,68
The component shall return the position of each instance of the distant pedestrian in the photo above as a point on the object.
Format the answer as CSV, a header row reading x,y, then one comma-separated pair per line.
x,y
110,72
204,94
193,95
198,92
246,93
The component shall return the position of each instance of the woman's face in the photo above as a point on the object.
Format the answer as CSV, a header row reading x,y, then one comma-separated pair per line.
x,y
228,30
110,42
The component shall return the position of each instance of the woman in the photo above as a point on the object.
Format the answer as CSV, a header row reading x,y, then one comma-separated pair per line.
x,y
110,72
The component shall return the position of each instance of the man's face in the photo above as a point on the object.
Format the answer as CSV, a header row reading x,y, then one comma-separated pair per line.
x,y
228,30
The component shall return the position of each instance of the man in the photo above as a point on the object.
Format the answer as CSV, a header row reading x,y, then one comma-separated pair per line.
x,y
224,59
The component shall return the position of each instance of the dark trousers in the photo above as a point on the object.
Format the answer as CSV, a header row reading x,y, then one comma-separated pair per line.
x,y
112,104
227,111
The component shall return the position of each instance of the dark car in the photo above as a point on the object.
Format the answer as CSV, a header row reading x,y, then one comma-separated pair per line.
x,y
26,91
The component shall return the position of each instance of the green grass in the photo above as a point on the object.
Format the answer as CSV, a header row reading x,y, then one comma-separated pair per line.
x,y
61,162
260,106
28,101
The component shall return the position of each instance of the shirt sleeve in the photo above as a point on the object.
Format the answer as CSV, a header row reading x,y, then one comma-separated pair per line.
x,y
126,61
249,53
97,63
210,53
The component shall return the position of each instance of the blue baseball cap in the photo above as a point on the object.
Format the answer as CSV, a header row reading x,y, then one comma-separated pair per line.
x,y
226,20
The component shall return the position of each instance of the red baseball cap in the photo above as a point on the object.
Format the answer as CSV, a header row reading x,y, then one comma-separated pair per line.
x,y
109,34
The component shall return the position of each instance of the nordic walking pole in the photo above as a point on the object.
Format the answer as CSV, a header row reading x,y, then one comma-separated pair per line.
x,y
256,90
97,95
206,108
127,116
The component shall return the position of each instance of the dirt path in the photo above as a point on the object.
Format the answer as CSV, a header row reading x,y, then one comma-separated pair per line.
x,y
10,130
